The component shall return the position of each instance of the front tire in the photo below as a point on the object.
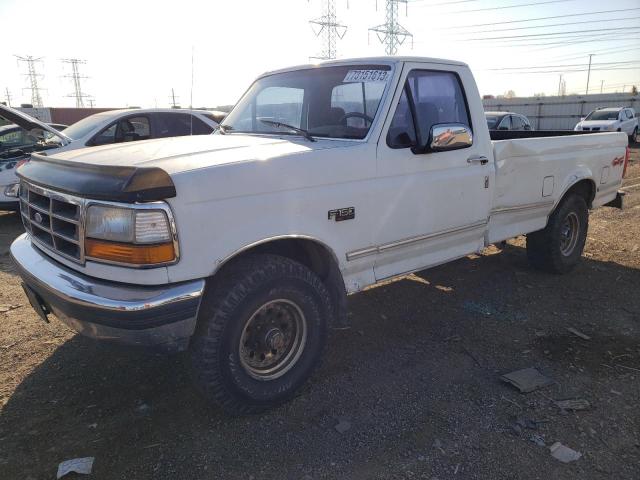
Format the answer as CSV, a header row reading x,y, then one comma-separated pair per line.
x,y
558,247
261,332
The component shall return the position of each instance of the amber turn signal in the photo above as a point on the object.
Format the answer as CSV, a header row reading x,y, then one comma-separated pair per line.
x,y
129,253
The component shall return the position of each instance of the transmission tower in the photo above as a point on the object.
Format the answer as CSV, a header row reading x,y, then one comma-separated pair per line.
x,y
391,33
36,98
327,26
75,77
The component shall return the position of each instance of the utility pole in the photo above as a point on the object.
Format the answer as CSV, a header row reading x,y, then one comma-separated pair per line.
x,y
36,98
328,26
173,100
560,85
589,72
601,85
391,33
7,96
75,76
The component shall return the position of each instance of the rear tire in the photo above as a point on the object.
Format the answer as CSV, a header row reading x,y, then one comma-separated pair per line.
x,y
261,332
634,137
558,247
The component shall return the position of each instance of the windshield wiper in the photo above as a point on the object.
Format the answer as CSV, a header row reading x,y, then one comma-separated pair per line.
x,y
301,131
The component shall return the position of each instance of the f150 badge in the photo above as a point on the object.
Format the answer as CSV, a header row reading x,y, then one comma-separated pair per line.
x,y
341,214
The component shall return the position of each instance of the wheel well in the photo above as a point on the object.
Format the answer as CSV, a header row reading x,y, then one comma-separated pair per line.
x,y
315,256
585,188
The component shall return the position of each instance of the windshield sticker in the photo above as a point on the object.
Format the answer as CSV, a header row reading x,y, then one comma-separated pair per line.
x,y
366,76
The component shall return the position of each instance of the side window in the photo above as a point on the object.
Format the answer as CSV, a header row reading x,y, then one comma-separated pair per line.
x,y
516,123
438,98
132,129
179,124
402,132
279,104
108,135
505,124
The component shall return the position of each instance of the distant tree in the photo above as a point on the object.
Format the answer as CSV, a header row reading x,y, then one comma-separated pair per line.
x,y
510,94
541,94
634,90
488,97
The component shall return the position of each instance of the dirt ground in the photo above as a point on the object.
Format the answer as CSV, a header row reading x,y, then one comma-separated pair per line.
x,y
415,381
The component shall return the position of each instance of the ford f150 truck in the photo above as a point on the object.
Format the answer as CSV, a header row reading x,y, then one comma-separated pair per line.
x,y
242,246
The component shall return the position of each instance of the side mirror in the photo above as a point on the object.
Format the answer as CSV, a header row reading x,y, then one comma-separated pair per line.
x,y
582,119
527,127
37,133
448,136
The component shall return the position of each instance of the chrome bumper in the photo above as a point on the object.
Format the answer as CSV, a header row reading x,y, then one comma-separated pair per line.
x,y
160,316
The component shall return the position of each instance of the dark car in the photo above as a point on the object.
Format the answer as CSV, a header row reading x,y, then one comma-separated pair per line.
x,y
507,121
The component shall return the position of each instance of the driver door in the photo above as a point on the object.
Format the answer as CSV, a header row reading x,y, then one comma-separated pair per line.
x,y
434,206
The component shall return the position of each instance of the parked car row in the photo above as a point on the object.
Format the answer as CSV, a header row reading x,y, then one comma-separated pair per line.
x,y
27,135
615,119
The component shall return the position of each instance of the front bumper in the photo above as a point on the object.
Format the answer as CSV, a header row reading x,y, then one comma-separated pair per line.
x,y
158,316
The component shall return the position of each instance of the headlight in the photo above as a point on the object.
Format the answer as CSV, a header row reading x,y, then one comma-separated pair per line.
x,y
129,235
12,190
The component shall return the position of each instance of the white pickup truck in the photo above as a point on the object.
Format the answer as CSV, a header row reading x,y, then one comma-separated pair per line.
x,y
242,246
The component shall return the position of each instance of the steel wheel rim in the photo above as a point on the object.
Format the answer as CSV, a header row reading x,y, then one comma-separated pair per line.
x,y
569,234
273,339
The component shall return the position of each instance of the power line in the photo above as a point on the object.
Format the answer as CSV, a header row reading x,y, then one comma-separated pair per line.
x,y
513,6
553,17
554,25
579,32
75,76
391,33
564,66
331,29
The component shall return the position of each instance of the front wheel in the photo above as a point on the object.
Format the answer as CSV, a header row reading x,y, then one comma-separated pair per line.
x,y
558,247
261,332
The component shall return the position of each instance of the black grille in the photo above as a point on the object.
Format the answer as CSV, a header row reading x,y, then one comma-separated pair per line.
x,y
53,220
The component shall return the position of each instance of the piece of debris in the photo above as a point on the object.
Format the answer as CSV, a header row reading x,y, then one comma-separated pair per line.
x,y
573,404
437,444
616,392
527,380
342,426
538,439
82,466
8,308
578,333
563,453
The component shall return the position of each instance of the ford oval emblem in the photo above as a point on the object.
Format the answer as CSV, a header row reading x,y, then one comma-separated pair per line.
x,y
38,217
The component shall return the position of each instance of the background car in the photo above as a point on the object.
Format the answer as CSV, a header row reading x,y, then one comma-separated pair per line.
x,y
12,136
114,126
507,121
616,119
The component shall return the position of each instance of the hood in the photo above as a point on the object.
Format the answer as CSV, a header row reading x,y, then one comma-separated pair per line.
x,y
142,171
29,123
597,123
180,154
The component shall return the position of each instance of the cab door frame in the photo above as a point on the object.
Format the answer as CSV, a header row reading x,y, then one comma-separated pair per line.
x,y
433,207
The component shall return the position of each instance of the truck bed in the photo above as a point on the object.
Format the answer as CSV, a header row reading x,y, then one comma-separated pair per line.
x,y
533,173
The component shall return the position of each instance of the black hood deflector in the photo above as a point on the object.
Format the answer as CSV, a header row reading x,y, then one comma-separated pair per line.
x,y
100,182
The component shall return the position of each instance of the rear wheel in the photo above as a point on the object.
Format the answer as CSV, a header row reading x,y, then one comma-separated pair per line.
x,y
261,333
558,247
634,136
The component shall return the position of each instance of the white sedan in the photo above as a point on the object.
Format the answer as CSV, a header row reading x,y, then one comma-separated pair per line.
x,y
114,126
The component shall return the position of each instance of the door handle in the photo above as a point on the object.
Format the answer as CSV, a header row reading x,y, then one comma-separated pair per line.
x,y
478,159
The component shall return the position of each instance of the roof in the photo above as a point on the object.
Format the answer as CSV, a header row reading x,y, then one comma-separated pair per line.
x,y
497,113
110,113
610,109
369,60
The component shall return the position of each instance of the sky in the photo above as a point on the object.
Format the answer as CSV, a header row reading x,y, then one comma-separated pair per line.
x,y
137,51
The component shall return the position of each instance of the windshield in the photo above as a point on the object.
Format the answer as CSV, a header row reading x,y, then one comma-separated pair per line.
x,y
331,102
603,115
84,126
492,121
